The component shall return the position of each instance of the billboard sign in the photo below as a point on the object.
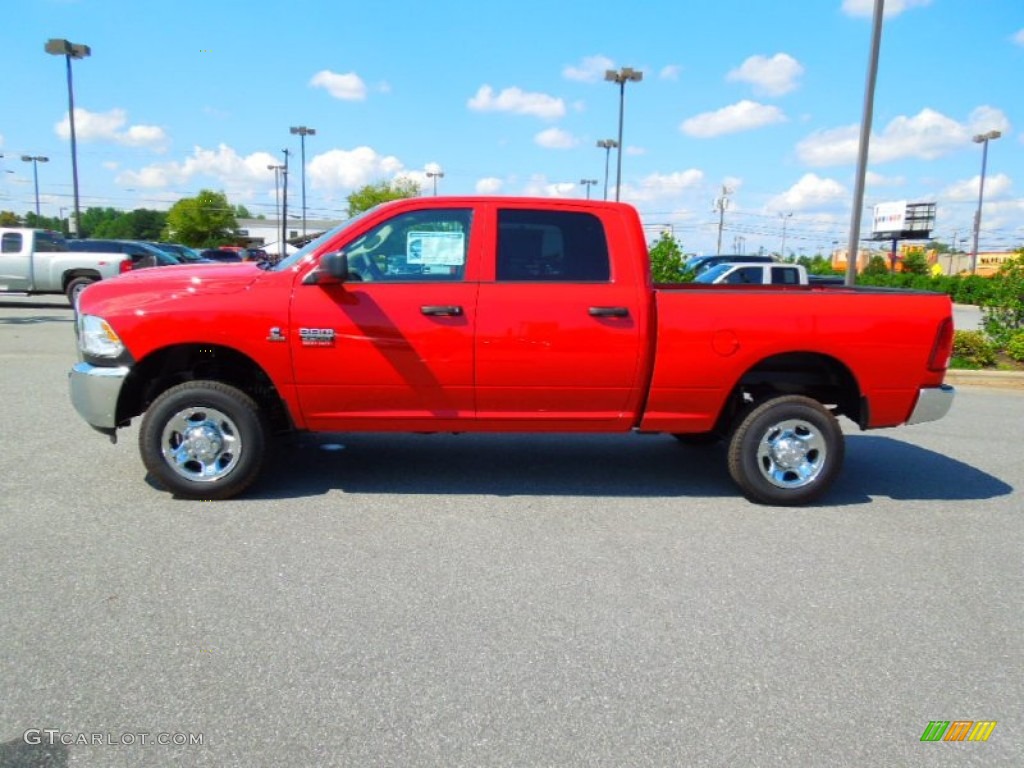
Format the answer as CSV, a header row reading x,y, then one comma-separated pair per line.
x,y
889,217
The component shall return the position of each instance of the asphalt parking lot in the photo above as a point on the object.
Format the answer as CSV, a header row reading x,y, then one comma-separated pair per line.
x,y
502,600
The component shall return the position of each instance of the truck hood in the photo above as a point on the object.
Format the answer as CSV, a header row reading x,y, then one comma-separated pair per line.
x,y
135,291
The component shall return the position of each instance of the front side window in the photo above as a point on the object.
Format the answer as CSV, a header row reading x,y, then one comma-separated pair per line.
x,y
430,245
566,246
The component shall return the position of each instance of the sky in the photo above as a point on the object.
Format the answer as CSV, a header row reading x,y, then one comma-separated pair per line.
x,y
761,99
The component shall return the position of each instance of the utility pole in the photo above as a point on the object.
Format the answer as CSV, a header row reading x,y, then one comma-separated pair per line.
x,y
785,219
720,205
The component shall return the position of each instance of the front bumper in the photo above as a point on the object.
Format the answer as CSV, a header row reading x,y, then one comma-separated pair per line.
x,y
932,404
94,393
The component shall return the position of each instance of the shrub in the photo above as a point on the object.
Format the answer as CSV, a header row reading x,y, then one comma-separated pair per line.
x,y
972,349
1015,346
1004,308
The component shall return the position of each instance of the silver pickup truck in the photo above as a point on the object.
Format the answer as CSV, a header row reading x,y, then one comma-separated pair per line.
x,y
39,261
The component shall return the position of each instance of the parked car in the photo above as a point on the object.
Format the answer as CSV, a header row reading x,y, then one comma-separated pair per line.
x,y
254,254
39,261
697,264
182,253
733,273
222,255
142,254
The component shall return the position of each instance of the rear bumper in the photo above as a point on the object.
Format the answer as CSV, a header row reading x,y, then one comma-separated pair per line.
x,y
932,404
94,393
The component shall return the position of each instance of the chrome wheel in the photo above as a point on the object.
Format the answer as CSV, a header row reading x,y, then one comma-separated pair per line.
x,y
201,444
792,453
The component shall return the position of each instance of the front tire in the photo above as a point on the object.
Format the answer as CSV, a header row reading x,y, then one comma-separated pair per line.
x,y
204,440
787,451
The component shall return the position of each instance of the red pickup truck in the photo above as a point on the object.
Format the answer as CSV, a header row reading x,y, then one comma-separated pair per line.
x,y
498,315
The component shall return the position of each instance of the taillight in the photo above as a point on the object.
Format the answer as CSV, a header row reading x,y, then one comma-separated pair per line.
x,y
126,266
943,347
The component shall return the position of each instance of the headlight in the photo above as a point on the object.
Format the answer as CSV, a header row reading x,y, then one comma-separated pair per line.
x,y
97,338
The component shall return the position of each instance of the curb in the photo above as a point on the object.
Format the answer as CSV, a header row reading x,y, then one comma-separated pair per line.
x,y
992,379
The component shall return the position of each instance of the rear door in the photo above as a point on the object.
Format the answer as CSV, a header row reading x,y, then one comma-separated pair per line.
x,y
559,333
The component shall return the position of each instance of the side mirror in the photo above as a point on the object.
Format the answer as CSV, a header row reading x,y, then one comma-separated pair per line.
x,y
333,269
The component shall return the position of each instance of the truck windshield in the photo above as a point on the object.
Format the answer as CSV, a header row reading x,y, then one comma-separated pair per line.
x,y
313,245
712,274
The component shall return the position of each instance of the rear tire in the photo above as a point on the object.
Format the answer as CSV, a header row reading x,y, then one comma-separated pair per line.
x,y
204,440
787,451
76,286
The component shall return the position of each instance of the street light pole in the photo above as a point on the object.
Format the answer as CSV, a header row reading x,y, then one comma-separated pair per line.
x,y
624,75
607,145
303,132
983,139
785,220
435,175
35,160
284,207
59,47
277,195
588,183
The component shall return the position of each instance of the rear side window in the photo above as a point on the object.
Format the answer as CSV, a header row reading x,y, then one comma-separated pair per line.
x,y
785,276
566,246
11,242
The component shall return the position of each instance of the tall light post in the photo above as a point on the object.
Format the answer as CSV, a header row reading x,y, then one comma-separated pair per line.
x,y
69,51
623,76
284,206
277,193
785,219
435,175
983,139
607,145
588,183
303,132
35,160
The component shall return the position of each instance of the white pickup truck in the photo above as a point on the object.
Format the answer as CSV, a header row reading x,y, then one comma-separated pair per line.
x,y
740,273
38,261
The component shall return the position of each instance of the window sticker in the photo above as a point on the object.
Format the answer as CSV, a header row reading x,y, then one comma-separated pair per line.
x,y
436,248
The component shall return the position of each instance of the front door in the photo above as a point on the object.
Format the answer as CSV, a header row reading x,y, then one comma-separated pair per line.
x,y
392,348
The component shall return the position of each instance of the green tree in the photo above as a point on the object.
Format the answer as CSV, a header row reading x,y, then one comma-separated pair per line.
x,y
667,262
915,263
877,265
1003,311
95,219
241,212
9,219
202,221
370,195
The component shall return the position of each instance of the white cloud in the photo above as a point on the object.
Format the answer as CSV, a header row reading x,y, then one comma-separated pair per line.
x,y
810,192
743,116
671,72
590,70
995,186
927,135
223,164
517,101
110,126
873,179
347,87
350,169
556,138
770,77
1019,37
632,151
489,185
985,119
892,7
663,186
539,186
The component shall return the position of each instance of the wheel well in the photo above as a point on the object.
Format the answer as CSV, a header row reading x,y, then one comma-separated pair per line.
x,y
73,274
171,366
811,374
